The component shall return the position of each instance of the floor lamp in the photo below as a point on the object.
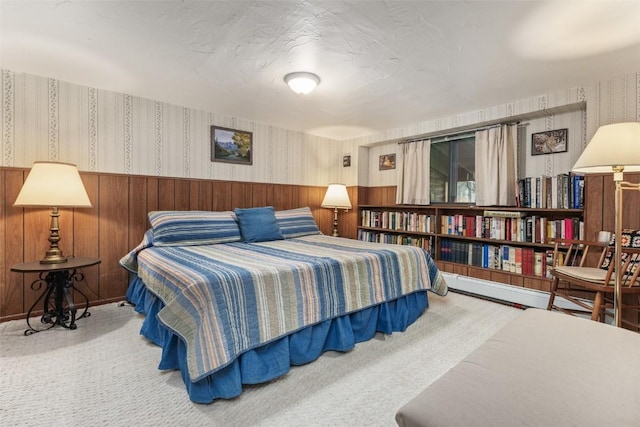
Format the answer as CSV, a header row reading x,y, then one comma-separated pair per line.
x,y
336,198
614,149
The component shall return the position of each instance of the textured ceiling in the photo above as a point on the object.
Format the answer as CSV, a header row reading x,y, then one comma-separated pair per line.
x,y
383,64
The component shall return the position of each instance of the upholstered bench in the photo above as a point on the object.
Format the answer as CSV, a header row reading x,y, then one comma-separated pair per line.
x,y
542,369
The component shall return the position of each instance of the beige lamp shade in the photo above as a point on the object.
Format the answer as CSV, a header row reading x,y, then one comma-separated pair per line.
x,y
615,145
336,197
53,184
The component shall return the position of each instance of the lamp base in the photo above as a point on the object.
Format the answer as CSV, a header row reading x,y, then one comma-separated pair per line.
x,y
335,223
54,254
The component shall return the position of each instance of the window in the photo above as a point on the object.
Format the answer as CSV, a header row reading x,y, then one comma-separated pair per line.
x,y
453,169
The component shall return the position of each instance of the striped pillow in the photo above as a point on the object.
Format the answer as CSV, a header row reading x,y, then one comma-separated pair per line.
x,y
189,228
296,223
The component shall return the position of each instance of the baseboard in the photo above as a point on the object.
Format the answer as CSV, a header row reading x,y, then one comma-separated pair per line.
x,y
502,292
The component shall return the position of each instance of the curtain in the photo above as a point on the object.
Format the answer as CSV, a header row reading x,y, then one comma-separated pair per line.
x,y
496,166
413,173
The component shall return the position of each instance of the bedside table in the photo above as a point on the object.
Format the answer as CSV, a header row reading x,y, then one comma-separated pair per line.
x,y
58,305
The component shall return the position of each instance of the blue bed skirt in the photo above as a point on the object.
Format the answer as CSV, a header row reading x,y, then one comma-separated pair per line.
x,y
273,359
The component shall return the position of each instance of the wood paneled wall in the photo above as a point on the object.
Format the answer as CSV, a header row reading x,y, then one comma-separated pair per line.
x,y
599,210
117,221
377,195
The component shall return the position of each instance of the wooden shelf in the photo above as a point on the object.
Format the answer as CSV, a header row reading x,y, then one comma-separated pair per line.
x,y
467,247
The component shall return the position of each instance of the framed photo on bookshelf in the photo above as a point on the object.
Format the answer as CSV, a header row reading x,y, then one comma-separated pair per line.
x,y
549,142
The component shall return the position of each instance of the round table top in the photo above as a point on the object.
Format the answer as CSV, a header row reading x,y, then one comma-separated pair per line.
x,y
72,262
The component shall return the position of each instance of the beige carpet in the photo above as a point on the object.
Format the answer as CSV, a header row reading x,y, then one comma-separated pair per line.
x,y
105,374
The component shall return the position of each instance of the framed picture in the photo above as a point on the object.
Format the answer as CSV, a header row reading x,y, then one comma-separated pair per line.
x,y
387,161
231,146
346,161
549,142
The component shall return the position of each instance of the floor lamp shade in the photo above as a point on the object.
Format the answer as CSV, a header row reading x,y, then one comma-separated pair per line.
x,y
336,197
614,148
54,185
612,145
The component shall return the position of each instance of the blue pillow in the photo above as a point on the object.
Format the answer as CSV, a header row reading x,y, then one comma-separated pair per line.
x,y
186,228
296,223
258,224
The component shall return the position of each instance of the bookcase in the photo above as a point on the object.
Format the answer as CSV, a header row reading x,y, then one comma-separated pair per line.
x,y
503,244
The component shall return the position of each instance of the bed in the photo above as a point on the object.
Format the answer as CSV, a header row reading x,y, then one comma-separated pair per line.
x,y
237,297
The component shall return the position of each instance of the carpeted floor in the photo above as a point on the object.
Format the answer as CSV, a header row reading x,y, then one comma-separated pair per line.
x,y
105,374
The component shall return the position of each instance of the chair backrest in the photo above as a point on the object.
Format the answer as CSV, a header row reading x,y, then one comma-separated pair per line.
x,y
580,253
600,254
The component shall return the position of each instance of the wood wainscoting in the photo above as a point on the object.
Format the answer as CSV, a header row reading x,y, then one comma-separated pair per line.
x,y
117,221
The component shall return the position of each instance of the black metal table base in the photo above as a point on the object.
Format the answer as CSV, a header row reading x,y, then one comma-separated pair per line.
x,y
57,298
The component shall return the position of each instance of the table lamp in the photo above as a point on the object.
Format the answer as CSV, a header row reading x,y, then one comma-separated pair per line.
x,y
614,148
54,185
336,198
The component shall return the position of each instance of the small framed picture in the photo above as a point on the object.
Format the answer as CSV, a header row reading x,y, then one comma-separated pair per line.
x,y
549,142
387,161
231,146
346,161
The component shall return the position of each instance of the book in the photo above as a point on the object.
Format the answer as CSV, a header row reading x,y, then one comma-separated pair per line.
x,y
578,191
485,256
537,264
504,214
517,265
529,230
527,261
515,259
520,193
506,262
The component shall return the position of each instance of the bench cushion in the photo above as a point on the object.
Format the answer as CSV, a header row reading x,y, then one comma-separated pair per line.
x,y
542,369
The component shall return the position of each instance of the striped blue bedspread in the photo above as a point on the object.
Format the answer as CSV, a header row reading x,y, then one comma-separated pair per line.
x,y
226,299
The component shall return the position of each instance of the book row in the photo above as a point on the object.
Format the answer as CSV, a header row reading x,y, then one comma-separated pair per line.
x,y
401,221
563,191
398,239
513,259
532,229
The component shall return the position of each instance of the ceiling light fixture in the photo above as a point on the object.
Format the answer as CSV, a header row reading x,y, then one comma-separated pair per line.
x,y
302,82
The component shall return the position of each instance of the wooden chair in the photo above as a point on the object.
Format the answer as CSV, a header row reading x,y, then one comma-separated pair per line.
x,y
584,276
